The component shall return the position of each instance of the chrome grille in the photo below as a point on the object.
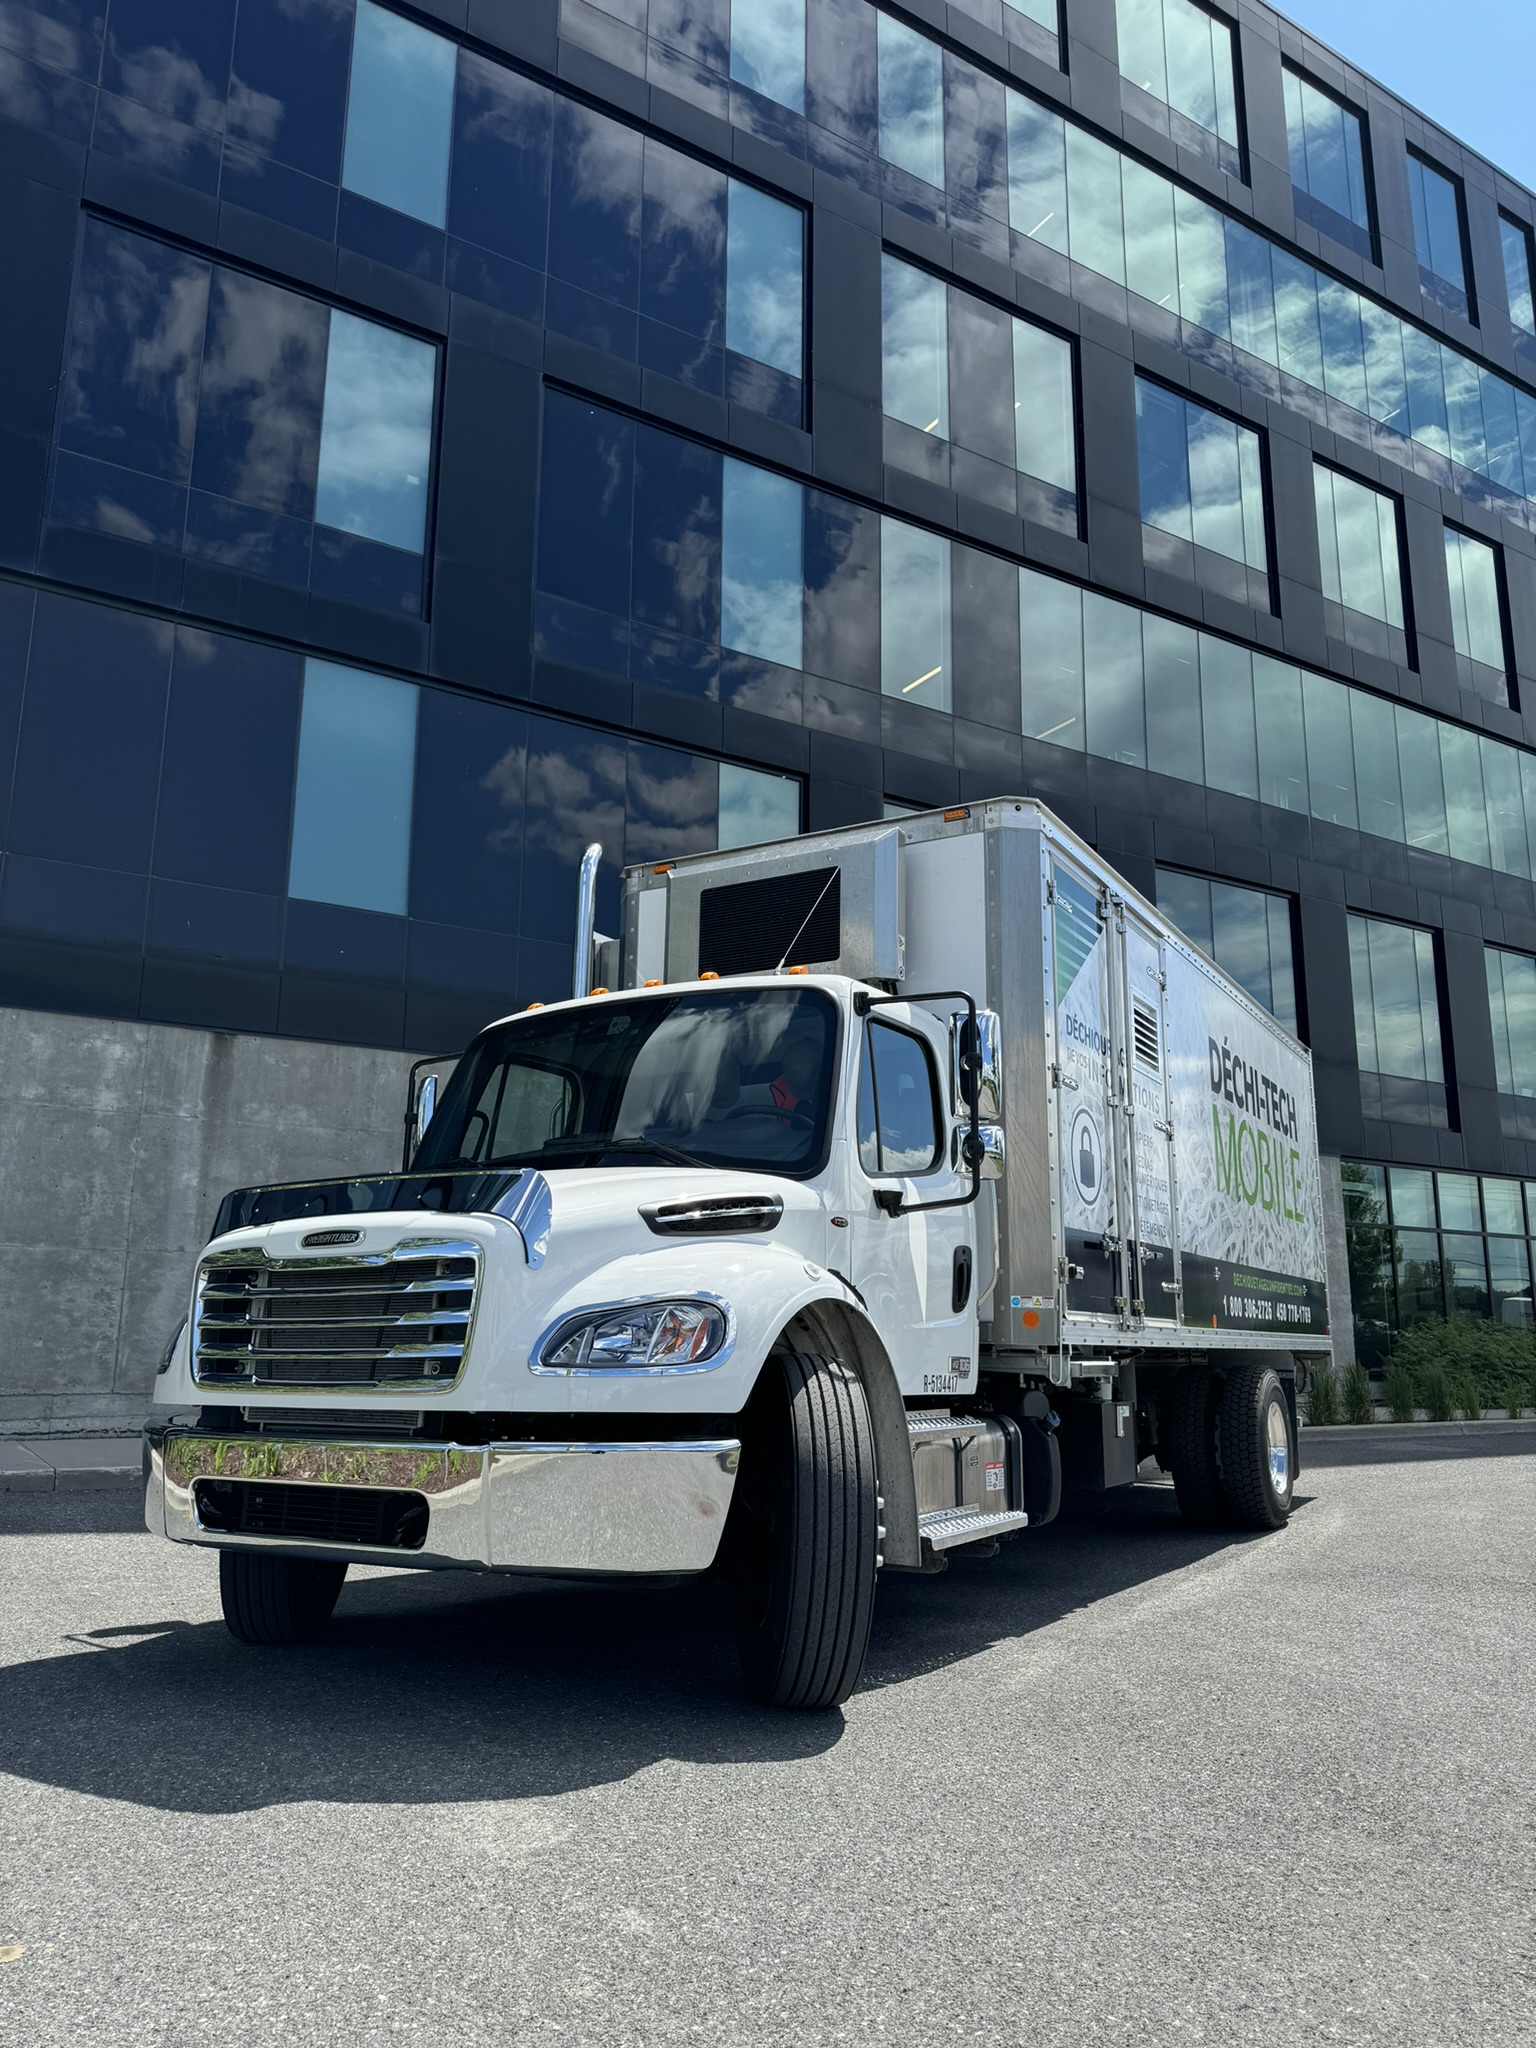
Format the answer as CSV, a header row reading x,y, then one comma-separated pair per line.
x,y
390,1319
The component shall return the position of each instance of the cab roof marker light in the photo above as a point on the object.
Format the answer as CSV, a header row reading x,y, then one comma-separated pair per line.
x,y
654,982
533,1006
708,974
799,970
598,992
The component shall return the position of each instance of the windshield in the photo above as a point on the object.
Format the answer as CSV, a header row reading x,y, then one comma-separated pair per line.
x,y
724,1077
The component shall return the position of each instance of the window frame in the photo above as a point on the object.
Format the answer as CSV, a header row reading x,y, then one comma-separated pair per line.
x,y
1468,288
1267,572
935,1093
1525,337
1400,532
1369,228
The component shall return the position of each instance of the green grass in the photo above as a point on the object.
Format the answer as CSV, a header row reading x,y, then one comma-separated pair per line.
x,y
1322,1397
1357,1400
1437,1394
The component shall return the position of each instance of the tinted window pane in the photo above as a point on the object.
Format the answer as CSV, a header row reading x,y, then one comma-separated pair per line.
x,y
172,55
1512,1004
1043,406
768,49
1037,172
1397,1009
755,807
1477,624
1051,657
399,114
914,615
586,504
911,101
915,330
677,535
376,440
1200,476
683,246
1436,220
258,420
1357,535
467,836
765,279
1517,273
226,783
352,798
501,159
1112,677
135,347
288,88
594,208
762,564
1327,150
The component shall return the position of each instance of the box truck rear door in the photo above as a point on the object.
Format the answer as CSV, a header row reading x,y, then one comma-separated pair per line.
x,y
1089,1193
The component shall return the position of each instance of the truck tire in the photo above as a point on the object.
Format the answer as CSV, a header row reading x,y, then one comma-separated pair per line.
x,y
1191,1439
806,1541
276,1600
1258,1455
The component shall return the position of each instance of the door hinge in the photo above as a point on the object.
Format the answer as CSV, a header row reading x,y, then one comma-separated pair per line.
x,y
1159,1125
1060,1078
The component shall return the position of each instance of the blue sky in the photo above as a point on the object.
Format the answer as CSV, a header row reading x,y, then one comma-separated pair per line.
x,y
1469,64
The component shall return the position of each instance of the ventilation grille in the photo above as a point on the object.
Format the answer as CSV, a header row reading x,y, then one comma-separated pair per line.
x,y
395,1319
1144,1029
367,1516
749,927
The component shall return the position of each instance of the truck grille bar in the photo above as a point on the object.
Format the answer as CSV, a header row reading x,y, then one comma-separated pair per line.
x,y
390,1319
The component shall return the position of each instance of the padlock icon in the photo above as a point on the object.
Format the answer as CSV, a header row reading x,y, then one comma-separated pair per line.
x,y
1087,1166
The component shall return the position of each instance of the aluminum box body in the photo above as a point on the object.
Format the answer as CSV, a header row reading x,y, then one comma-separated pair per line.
x,y
1161,1189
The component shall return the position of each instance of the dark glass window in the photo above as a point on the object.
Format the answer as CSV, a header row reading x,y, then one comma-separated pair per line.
x,y
208,411
1516,239
1363,593
1512,1003
1180,67
399,114
1245,931
499,199
911,101
1330,181
1034,25
768,49
1397,1022
1475,574
1202,495
977,399
288,85
352,794
1440,232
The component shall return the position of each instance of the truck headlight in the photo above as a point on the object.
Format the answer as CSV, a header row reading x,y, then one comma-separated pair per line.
x,y
642,1336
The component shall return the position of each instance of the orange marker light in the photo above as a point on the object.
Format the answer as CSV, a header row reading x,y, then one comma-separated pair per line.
x,y
656,983
534,1006
597,991
709,974
799,970
662,867
950,816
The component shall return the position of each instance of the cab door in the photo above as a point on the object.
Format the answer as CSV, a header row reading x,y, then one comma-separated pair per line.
x,y
917,1269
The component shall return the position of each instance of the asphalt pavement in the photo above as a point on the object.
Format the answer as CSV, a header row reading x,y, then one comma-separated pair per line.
x,y
1123,1783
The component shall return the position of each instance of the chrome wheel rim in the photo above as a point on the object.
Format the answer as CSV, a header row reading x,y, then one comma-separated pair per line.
x,y
1278,1442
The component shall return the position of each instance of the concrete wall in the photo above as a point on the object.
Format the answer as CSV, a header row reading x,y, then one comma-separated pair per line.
x,y
116,1143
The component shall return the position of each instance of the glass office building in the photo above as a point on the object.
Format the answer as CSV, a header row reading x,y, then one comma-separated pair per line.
x,y
435,436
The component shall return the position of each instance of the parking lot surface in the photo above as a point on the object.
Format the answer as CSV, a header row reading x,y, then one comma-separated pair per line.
x,y
1124,1783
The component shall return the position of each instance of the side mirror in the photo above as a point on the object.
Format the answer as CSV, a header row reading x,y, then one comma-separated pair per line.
x,y
421,1102
976,1064
992,1150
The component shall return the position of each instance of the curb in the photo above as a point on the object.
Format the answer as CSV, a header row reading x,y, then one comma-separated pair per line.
x,y
1391,1432
43,1464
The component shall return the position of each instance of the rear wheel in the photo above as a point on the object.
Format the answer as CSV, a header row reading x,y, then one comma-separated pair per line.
x,y
1191,1435
1258,1458
804,1537
277,1600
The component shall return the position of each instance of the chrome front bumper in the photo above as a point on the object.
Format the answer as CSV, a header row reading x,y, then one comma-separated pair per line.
x,y
598,1508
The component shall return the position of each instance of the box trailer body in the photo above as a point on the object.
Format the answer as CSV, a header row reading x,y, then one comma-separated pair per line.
x,y
1161,1188
898,1178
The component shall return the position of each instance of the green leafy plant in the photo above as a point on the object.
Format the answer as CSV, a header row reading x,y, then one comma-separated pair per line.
x,y
1517,1397
1358,1402
1468,1399
1402,1393
1437,1392
1322,1397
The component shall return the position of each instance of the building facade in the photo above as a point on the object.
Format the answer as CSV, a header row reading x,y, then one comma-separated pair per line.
x,y
435,436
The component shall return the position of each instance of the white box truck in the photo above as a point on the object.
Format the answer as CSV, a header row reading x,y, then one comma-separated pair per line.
x,y
899,1179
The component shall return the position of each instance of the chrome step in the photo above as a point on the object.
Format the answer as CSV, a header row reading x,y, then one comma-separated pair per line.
x,y
943,1528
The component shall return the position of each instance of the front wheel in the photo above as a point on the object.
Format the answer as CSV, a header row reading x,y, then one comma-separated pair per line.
x,y
277,1600
1258,1457
804,1547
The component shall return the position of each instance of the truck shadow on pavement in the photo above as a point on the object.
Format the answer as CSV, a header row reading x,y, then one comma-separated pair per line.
x,y
445,1688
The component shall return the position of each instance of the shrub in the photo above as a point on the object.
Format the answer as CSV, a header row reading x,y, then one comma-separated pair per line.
x,y
1402,1394
1322,1397
1436,1392
1516,1397
1468,1399
1492,1355
1358,1402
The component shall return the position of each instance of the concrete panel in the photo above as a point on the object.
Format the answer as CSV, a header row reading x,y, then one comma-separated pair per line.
x,y
119,1140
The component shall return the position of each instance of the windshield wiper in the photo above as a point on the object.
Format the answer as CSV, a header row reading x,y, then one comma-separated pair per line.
x,y
653,1145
